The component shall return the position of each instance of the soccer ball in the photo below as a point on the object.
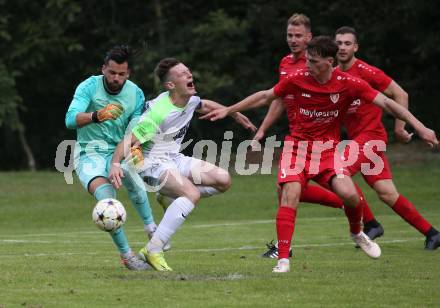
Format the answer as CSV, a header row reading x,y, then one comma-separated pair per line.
x,y
109,214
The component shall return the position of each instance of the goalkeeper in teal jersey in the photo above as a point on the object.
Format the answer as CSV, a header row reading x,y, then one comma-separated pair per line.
x,y
101,110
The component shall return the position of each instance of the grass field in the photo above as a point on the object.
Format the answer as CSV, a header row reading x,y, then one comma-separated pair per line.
x,y
52,255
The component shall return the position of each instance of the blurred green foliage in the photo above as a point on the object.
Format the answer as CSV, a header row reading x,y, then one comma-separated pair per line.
x,y
233,47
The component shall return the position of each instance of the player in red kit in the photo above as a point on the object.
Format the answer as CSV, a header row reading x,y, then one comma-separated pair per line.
x,y
322,97
298,34
364,123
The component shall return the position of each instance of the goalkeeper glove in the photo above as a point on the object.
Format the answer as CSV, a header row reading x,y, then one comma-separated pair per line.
x,y
110,112
136,157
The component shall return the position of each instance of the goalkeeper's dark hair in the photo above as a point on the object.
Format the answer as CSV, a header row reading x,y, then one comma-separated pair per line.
x,y
164,66
120,54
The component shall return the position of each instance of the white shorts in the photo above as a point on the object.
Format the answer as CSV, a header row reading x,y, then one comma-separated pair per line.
x,y
153,170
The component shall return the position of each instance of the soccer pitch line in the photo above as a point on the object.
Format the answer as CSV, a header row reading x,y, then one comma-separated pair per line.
x,y
213,225
208,250
189,225
293,246
200,226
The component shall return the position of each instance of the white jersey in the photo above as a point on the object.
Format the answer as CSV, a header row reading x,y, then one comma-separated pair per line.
x,y
163,126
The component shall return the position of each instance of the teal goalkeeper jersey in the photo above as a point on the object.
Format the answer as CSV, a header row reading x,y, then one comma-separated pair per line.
x,y
90,95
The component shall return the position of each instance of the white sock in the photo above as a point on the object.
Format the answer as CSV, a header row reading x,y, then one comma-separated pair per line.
x,y
125,255
207,191
150,228
171,221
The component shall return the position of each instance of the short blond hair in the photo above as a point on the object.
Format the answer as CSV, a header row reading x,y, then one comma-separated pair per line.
x,y
300,19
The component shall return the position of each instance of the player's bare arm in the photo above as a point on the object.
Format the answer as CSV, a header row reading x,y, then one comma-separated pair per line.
x,y
276,109
83,119
255,100
129,147
400,96
208,106
405,115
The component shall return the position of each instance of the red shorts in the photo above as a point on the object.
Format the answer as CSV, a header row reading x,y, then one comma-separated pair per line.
x,y
298,164
370,160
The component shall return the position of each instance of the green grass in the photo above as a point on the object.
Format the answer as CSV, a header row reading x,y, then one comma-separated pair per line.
x,y
52,255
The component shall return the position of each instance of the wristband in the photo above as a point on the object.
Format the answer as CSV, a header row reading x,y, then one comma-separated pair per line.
x,y
95,117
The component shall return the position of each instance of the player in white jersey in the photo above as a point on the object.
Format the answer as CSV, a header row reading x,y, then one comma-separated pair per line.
x,y
169,124
160,132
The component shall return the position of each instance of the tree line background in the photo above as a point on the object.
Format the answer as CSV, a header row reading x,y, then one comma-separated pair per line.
x,y
232,47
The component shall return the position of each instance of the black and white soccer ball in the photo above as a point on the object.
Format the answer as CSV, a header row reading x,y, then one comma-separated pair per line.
x,y
109,214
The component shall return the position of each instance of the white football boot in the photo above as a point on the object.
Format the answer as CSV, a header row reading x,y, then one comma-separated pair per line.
x,y
283,266
371,248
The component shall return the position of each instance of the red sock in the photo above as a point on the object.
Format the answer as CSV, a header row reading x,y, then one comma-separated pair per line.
x,y
285,227
367,214
318,194
354,215
407,211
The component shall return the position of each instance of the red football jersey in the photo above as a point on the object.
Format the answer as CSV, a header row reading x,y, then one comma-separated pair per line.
x,y
289,65
319,108
362,118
